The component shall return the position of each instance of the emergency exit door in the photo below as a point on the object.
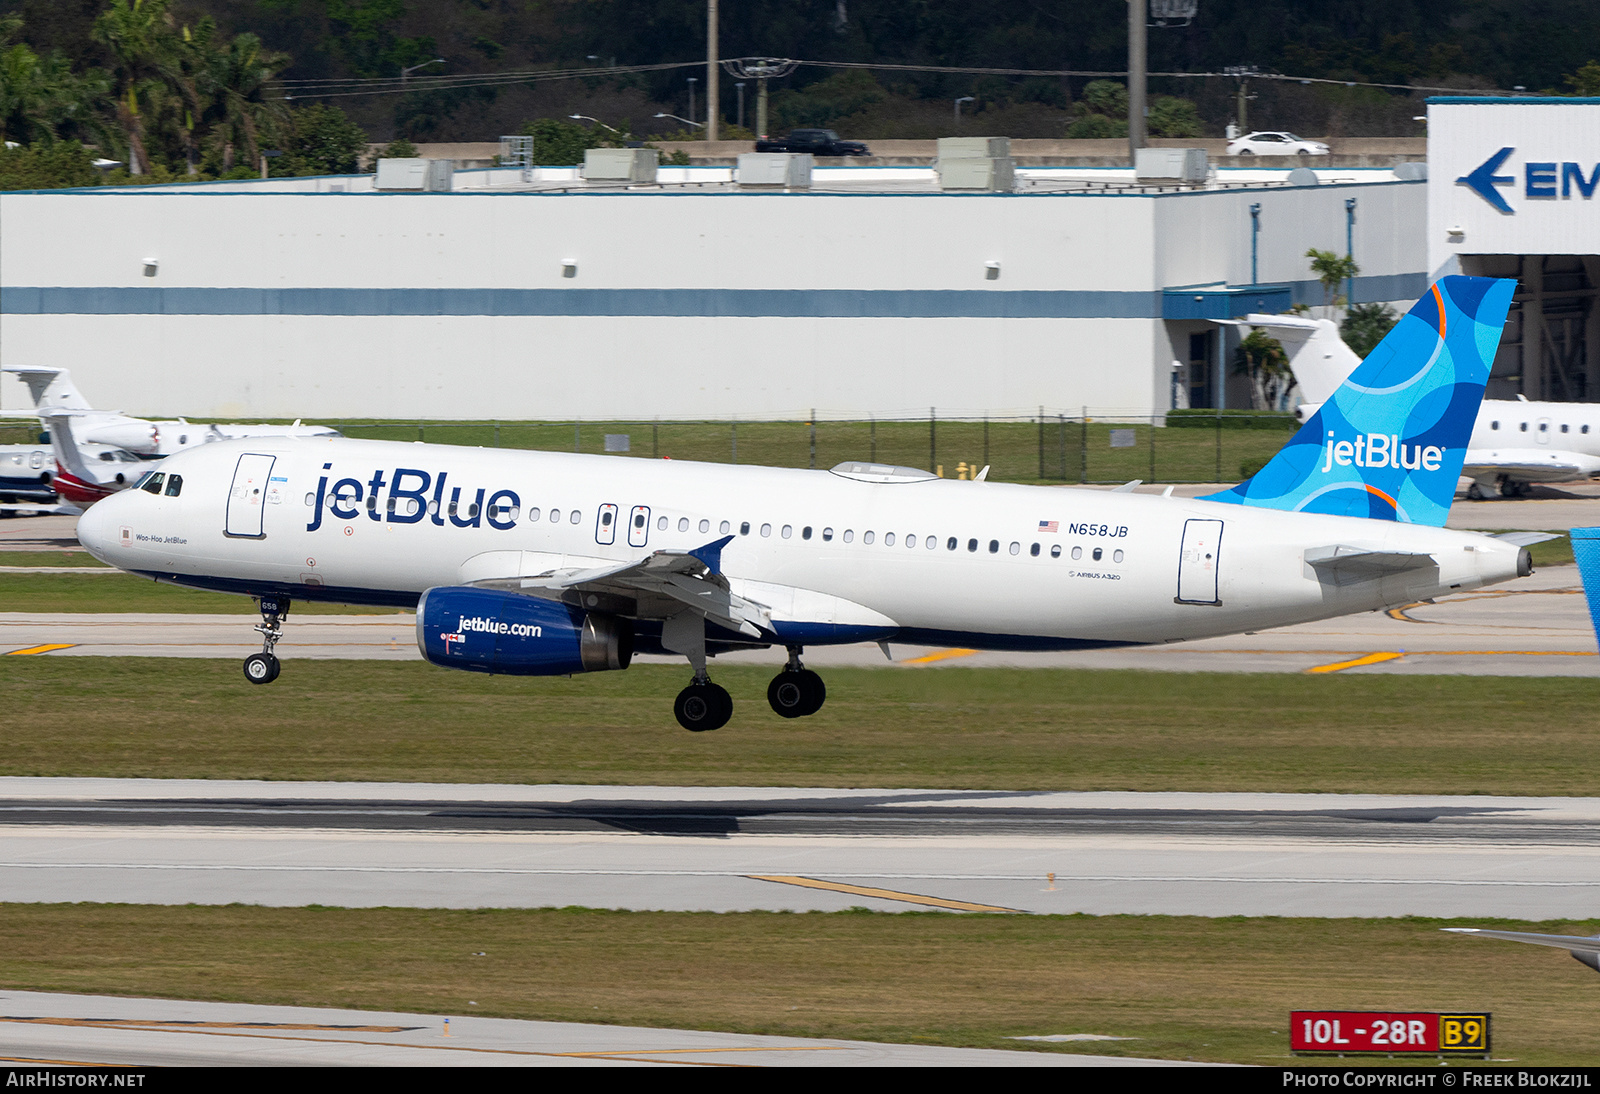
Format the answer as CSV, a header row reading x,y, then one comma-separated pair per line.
x,y
248,496
1198,560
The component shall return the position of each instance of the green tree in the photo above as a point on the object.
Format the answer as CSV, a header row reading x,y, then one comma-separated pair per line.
x,y
1262,358
1330,270
1586,81
320,140
1174,117
1365,325
133,30
398,149
558,143
47,167
1102,112
239,109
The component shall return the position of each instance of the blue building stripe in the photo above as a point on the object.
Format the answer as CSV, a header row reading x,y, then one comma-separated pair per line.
x,y
779,303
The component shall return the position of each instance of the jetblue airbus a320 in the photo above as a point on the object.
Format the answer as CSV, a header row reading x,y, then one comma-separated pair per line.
x,y
539,563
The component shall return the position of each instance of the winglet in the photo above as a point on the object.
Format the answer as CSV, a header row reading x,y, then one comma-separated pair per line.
x,y
1586,551
711,553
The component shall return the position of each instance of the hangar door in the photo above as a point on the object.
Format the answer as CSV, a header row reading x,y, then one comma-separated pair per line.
x,y
1197,562
249,495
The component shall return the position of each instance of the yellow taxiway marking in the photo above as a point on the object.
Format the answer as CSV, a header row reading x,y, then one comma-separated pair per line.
x,y
938,655
1369,659
882,894
46,648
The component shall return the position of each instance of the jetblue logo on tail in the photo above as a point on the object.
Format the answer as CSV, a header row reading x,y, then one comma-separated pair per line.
x,y
1390,442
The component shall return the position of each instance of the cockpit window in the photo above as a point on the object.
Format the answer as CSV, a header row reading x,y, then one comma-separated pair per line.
x,y
151,483
174,485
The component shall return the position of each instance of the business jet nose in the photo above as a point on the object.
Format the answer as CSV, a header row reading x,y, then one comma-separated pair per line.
x,y
101,526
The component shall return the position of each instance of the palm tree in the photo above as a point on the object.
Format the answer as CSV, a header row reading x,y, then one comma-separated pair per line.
x,y
134,31
236,84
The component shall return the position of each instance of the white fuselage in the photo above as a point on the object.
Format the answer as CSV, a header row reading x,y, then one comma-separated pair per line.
x,y
806,544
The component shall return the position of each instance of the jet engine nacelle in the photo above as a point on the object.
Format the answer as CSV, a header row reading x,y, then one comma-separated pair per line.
x,y
130,433
486,630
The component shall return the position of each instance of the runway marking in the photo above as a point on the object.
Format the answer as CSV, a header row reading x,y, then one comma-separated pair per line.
x,y
46,648
1400,614
234,1030
1369,659
938,655
882,894
179,1024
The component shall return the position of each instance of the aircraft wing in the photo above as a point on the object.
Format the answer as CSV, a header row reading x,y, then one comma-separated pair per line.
x,y
663,582
1582,947
1529,464
1341,564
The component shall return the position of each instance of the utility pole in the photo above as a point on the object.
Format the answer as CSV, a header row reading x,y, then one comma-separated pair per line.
x,y
760,69
1242,73
713,102
1136,78
691,82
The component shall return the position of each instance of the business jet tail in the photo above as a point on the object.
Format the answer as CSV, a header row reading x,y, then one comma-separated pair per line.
x,y
1390,443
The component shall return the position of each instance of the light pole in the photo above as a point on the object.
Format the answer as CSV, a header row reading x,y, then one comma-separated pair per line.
x,y
738,88
1136,78
585,118
963,99
405,73
692,81
713,96
685,121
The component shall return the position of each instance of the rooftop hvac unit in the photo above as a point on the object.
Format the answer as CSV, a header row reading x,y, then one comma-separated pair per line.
x,y
620,165
779,170
977,173
974,147
1181,165
414,174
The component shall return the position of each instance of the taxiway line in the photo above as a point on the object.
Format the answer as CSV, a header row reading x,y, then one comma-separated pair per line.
x,y
882,894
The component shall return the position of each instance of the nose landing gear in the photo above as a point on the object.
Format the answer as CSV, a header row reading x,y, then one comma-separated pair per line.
x,y
796,692
263,667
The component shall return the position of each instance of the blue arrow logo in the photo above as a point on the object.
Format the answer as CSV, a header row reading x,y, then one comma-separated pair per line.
x,y
1483,180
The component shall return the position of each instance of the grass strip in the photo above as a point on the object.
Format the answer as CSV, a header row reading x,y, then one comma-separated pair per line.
x,y
1185,987
100,592
1013,729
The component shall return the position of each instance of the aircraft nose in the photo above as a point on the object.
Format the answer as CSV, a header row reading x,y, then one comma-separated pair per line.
x,y
100,527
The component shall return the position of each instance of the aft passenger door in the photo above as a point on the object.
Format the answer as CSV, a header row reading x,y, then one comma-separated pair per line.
x,y
248,495
1198,560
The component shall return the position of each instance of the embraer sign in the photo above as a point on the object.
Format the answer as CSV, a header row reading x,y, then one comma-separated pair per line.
x,y
1540,179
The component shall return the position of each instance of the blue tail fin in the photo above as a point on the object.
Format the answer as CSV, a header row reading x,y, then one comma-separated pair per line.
x,y
1586,551
1390,442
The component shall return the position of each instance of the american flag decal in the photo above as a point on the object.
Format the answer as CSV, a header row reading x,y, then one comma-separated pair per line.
x,y
1049,526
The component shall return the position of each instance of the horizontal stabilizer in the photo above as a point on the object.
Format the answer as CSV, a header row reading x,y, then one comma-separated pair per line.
x,y
1525,539
1344,565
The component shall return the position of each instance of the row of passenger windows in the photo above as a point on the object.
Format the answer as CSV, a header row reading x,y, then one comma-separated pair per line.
x,y
1544,427
786,531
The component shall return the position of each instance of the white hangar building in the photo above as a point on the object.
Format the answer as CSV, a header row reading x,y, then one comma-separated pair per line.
x,y
872,294
1514,191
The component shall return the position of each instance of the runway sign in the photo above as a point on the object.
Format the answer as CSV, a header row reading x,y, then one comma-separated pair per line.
x,y
1388,1032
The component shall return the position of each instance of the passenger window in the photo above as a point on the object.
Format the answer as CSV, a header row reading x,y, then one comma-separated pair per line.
x,y
866,537
787,531
766,530
1544,427
555,514
827,535
805,533
849,535
994,546
1564,427
1116,556
472,510
972,545
683,524
390,506
744,528
705,526
1055,550
952,543
1077,553
888,539
152,485
1524,427
311,499
533,514
911,541
1034,550
661,524
174,485
1494,425
1016,548
575,518
1097,553
933,543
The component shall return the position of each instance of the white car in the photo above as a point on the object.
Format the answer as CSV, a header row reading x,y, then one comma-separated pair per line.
x,y
1275,144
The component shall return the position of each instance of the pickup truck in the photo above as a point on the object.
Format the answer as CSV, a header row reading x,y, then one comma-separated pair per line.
x,y
819,142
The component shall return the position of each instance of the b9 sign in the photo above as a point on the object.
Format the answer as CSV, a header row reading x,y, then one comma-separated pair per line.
x,y
1387,1032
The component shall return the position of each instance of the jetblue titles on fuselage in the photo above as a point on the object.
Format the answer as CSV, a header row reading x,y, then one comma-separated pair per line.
x,y
408,501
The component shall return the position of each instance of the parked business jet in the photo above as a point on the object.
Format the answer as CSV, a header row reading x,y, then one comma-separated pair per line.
x,y
53,391
1515,443
540,563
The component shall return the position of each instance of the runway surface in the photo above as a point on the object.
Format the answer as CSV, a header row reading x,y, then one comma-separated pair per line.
x,y
47,1028
731,849
1538,626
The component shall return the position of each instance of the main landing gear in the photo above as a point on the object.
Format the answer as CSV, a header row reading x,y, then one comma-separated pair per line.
x,y
703,705
263,667
796,691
